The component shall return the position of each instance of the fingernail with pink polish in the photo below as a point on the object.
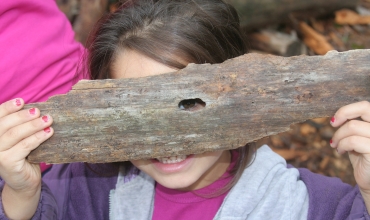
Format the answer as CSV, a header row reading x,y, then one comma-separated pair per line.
x,y
47,130
331,143
332,120
32,111
17,102
45,118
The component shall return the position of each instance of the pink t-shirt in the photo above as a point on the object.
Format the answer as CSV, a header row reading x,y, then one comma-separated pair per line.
x,y
39,55
174,204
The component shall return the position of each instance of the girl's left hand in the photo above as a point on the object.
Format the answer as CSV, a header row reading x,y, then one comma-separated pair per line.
x,y
353,137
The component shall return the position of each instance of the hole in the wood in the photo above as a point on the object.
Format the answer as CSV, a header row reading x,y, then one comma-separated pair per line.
x,y
192,104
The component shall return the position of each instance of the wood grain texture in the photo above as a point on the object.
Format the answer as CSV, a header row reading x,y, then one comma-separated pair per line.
x,y
247,98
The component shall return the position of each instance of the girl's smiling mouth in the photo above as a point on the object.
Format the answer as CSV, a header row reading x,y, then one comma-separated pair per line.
x,y
172,164
173,159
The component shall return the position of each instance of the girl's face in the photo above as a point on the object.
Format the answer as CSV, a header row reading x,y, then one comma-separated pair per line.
x,y
188,172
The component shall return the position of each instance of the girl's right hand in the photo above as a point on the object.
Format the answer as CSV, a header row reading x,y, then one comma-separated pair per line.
x,y
21,131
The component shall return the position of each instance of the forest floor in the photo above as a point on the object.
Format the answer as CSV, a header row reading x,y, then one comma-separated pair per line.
x,y
307,144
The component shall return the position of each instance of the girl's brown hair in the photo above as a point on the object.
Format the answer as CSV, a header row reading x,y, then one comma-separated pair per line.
x,y
174,33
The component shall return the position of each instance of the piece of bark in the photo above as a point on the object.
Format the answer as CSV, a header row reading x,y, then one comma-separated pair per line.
x,y
257,13
246,98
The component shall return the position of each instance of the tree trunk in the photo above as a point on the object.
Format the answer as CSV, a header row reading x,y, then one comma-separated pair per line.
x,y
236,102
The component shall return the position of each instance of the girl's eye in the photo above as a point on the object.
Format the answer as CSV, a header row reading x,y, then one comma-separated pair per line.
x,y
188,103
191,104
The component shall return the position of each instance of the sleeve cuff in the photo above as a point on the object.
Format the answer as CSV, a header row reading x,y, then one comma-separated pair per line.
x,y
46,209
2,214
358,210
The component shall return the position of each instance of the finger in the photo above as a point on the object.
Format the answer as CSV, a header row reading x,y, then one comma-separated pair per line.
x,y
350,128
9,121
21,150
354,143
351,111
11,106
16,134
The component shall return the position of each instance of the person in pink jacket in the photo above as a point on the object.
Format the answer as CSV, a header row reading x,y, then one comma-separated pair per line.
x,y
39,56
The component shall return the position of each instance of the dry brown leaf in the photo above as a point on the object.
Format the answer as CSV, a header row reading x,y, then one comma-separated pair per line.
x,y
276,141
324,163
319,120
307,129
318,25
314,40
260,37
346,16
288,154
317,145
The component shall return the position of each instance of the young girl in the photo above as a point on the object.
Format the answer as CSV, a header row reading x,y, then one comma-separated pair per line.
x,y
154,37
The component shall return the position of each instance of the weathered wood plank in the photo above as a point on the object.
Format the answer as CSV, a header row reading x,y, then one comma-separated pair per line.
x,y
246,98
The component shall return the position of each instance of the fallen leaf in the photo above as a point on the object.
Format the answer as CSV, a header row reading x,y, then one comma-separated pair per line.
x,y
276,141
288,154
314,40
307,129
324,163
346,16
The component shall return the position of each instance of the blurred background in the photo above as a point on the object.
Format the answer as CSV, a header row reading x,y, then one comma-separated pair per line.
x,y
283,28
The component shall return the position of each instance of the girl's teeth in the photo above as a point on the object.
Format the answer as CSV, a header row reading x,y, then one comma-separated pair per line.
x,y
173,159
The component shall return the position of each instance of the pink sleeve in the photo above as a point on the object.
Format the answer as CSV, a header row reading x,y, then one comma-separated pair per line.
x,y
39,56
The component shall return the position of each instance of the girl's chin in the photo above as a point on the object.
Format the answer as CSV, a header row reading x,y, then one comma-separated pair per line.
x,y
177,183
